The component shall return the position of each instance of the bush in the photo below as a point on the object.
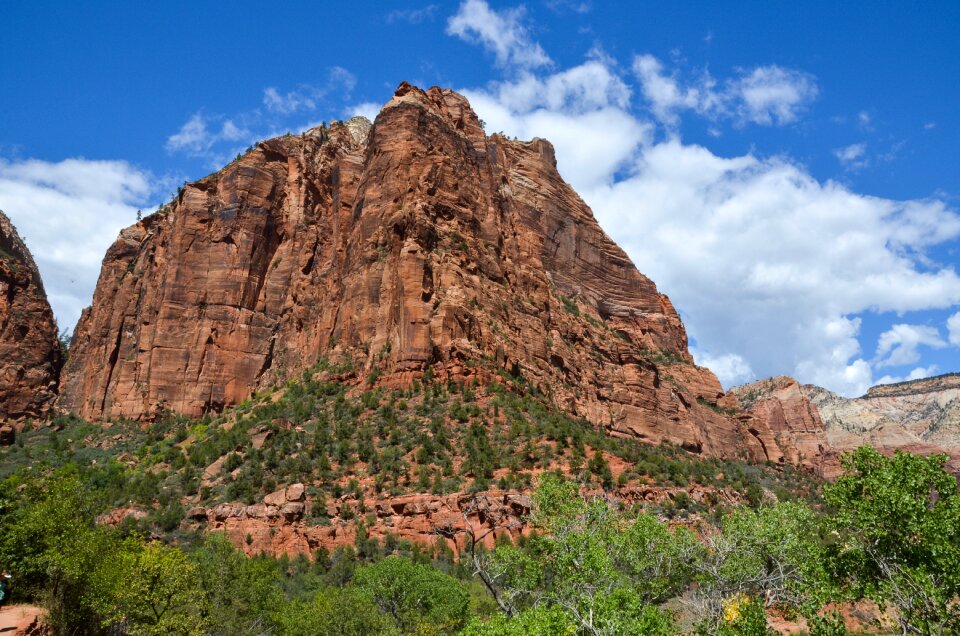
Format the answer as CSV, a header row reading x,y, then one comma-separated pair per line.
x,y
416,596
335,612
897,525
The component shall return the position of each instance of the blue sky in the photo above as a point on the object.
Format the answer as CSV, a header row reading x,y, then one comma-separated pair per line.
x,y
783,171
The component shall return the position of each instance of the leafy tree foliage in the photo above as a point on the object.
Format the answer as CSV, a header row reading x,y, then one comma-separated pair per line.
x,y
335,612
150,590
890,529
241,593
897,537
771,557
601,570
49,541
541,620
418,597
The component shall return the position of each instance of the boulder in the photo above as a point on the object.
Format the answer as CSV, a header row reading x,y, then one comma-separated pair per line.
x,y
296,492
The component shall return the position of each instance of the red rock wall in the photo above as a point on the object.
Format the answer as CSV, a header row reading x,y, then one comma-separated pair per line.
x,y
420,243
30,356
280,527
780,406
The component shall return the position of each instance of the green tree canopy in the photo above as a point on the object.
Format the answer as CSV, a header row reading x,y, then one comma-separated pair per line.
x,y
417,596
242,593
335,611
593,569
896,531
150,590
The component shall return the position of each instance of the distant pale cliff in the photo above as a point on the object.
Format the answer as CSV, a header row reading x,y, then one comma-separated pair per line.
x,y
920,416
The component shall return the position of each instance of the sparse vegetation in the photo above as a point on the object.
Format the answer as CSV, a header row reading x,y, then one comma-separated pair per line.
x,y
591,565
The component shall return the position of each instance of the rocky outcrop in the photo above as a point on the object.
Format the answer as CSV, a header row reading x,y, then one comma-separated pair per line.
x,y
781,406
264,527
920,416
416,243
30,357
418,518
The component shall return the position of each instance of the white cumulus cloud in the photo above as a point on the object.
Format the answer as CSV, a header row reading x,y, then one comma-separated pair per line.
x,y
666,96
582,111
769,266
772,94
69,213
193,137
899,345
916,374
953,329
730,368
370,110
500,32
765,95
201,133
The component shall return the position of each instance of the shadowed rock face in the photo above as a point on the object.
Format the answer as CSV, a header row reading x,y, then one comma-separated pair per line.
x,y
416,243
29,350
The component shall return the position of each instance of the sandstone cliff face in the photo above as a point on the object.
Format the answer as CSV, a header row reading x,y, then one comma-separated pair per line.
x,y
416,243
30,356
782,406
921,416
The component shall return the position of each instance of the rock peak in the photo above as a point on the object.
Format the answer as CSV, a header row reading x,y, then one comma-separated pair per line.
x,y
359,127
11,245
28,332
416,246
445,103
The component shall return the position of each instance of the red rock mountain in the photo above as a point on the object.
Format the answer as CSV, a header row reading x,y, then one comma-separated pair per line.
x,y
28,333
416,243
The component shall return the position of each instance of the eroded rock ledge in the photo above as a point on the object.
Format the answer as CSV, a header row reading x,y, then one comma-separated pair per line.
x,y
279,524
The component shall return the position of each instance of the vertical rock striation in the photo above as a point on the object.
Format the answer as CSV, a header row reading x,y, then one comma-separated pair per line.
x,y
29,350
781,405
416,243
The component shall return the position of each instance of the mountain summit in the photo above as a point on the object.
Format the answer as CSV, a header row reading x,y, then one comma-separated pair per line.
x,y
415,245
